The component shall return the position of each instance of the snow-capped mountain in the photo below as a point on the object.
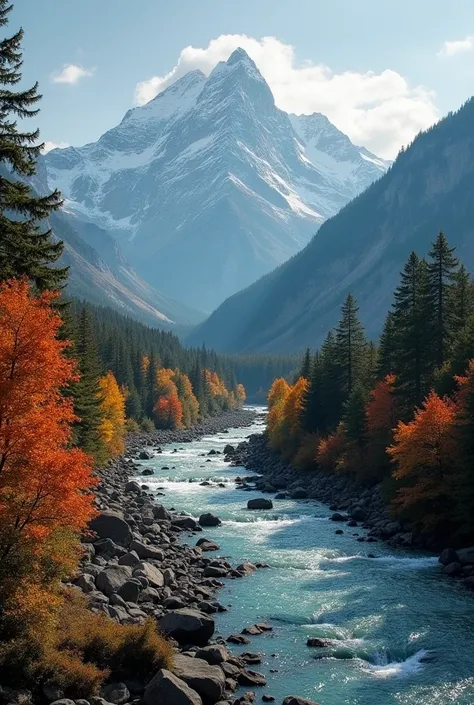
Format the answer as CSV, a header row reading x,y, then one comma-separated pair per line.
x,y
210,185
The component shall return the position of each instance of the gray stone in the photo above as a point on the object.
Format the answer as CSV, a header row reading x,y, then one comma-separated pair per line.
x,y
116,693
448,556
145,455
214,654
131,559
260,503
209,520
152,574
452,569
112,578
167,689
358,514
132,486
144,551
186,523
294,700
130,590
207,545
466,556
188,626
112,525
86,582
298,493
207,680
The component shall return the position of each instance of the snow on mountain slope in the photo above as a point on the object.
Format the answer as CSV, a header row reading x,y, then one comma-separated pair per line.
x,y
210,185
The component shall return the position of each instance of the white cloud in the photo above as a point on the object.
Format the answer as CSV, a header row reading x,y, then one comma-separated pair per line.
x,y
458,46
71,73
48,146
381,111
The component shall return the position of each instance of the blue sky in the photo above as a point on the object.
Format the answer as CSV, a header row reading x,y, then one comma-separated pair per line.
x,y
380,69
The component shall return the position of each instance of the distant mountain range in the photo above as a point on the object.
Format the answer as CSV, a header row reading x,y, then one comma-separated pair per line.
x,y
210,185
361,250
100,273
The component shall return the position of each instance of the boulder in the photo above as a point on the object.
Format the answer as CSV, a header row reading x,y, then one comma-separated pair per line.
x,y
229,449
147,472
167,689
132,486
131,559
112,525
116,693
338,517
112,578
160,513
209,520
108,548
294,700
86,582
466,556
145,455
317,642
144,551
188,626
452,569
246,568
152,574
298,493
214,654
358,514
213,571
260,503
186,523
238,639
247,677
208,681
130,590
207,545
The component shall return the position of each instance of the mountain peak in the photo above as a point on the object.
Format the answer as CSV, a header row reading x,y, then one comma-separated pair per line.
x,y
240,55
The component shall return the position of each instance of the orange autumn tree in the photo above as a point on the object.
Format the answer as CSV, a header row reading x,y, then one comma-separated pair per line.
x,y
45,498
382,417
112,427
331,449
277,396
292,410
189,403
423,452
168,410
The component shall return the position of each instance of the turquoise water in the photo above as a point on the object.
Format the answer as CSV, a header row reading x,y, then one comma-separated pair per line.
x,y
401,633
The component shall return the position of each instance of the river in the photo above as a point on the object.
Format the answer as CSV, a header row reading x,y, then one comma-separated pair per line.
x,y
403,634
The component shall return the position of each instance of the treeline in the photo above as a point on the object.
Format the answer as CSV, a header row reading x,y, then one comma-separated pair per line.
x,y
257,372
400,412
134,377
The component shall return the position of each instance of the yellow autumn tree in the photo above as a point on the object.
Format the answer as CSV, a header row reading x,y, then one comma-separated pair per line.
x,y
277,396
292,409
240,395
189,403
112,428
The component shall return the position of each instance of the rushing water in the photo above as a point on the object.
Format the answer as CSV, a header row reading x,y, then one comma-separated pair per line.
x,y
401,634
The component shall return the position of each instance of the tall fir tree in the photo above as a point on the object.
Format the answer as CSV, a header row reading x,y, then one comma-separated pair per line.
x,y
441,277
411,318
462,300
26,247
87,399
305,369
350,348
387,347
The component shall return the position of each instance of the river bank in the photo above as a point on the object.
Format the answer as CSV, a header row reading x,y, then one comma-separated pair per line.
x,y
136,566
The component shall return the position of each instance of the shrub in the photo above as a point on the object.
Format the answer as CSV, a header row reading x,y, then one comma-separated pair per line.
x,y
81,650
305,458
131,426
147,426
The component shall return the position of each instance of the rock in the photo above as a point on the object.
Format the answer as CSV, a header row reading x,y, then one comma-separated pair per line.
x,y
294,700
145,455
167,689
112,525
131,559
152,574
86,583
260,503
229,449
188,626
469,582
130,591
466,556
268,698
338,517
390,529
116,693
108,548
246,677
448,556
50,691
238,639
144,551
299,493
339,531
358,514
132,486
186,523
212,571
281,495
212,452
147,472
208,681
173,603
214,654
452,569
315,641
207,545
246,568
61,701
112,578
209,520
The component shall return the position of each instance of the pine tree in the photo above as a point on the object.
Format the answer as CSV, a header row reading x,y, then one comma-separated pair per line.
x,y
350,347
87,399
355,419
312,405
462,300
305,369
386,352
412,335
441,275
25,248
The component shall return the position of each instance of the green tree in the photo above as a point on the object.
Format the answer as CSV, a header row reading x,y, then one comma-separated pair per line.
x,y
350,348
441,276
305,369
26,248
462,300
411,318
87,399
387,348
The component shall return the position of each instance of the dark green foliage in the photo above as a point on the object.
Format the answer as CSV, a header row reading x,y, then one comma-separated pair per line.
x,y
387,348
27,247
354,417
305,369
462,300
350,348
411,318
441,274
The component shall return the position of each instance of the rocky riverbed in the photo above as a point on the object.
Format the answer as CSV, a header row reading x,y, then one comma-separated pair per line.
x,y
137,566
